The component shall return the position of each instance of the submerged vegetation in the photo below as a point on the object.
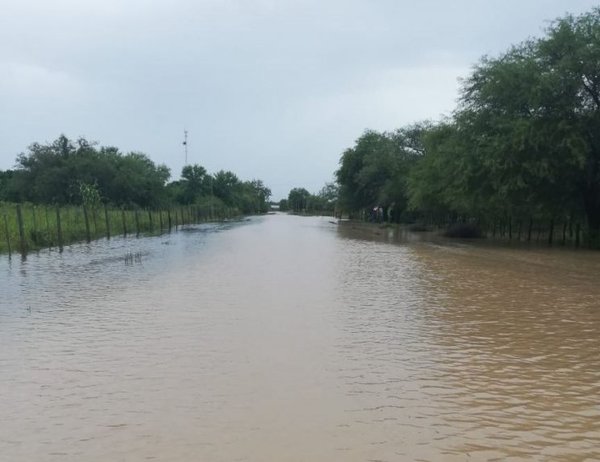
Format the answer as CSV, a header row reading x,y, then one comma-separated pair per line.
x,y
519,157
26,227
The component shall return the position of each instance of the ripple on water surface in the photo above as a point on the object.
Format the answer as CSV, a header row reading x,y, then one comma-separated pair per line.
x,y
293,339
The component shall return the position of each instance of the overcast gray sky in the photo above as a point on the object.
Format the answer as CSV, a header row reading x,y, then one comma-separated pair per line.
x,y
269,89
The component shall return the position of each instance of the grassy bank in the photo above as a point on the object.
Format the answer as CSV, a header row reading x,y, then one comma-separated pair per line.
x,y
27,227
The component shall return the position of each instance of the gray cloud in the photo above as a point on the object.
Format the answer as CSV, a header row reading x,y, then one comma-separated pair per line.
x,y
269,89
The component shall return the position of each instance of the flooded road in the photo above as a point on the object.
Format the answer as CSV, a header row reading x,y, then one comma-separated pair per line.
x,y
294,339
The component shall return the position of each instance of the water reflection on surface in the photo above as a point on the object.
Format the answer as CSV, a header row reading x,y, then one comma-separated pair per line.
x,y
295,339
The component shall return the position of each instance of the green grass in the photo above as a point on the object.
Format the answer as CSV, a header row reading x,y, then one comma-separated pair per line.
x,y
41,230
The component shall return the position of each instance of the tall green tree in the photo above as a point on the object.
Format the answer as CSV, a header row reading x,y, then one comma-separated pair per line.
x,y
375,171
525,139
138,181
6,178
226,186
298,200
53,173
260,196
195,183
534,119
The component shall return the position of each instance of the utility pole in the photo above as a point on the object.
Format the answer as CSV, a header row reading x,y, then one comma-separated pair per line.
x,y
185,146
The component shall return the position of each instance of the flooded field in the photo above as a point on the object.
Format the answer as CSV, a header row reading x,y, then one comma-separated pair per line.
x,y
295,339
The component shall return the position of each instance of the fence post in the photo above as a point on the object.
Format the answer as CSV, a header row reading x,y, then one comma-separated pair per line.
x,y
48,227
124,223
59,230
107,222
34,222
137,223
169,219
88,238
21,230
7,235
94,221
551,232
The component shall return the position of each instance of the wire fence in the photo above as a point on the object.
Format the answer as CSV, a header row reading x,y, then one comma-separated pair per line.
x,y
27,227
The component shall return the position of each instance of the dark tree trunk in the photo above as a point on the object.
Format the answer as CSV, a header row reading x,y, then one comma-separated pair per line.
x,y
591,198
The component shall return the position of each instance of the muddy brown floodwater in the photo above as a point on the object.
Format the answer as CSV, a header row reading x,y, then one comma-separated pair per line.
x,y
295,339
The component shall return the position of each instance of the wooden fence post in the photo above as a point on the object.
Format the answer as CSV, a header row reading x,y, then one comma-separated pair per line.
x,y
124,223
88,237
21,230
59,230
106,220
571,228
551,232
48,228
34,234
137,223
7,235
95,221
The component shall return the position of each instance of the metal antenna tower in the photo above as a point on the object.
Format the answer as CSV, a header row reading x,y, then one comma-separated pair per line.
x,y
185,145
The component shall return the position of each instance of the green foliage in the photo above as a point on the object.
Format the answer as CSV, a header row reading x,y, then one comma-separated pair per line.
x,y
52,173
300,201
259,195
284,205
247,196
523,144
90,196
524,141
137,181
194,183
73,173
375,171
40,222
6,178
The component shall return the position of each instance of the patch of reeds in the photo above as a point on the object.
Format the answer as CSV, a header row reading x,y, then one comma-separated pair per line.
x,y
133,258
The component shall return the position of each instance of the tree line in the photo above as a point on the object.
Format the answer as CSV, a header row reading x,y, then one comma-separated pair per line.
x,y
67,172
522,147
301,201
